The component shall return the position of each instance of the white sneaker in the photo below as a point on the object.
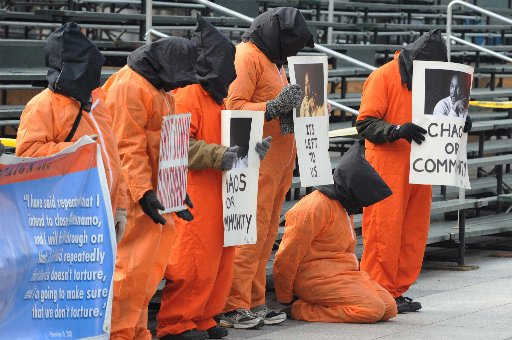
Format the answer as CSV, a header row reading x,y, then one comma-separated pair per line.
x,y
240,318
269,316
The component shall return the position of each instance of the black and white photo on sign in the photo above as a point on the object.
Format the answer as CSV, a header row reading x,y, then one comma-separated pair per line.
x,y
240,131
310,78
447,93
440,98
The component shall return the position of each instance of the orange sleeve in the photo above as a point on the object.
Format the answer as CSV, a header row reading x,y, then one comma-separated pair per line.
x,y
37,130
303,223
122,193
128,105
241,90
374,100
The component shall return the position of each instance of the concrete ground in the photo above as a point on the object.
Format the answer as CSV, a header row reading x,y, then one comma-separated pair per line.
x,y
467,305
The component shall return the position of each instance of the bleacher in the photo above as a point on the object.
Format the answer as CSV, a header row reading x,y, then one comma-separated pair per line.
x,y
370,31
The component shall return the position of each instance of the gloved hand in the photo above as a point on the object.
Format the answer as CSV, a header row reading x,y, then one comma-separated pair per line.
x,y
289,97
150,205
229,158
263,147
2,149
120,223
410,132
186,214
468,124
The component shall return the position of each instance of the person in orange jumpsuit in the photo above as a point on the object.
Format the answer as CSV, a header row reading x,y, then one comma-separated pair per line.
x,y
72,107
261,85
138,98
395,230
200,269
316,262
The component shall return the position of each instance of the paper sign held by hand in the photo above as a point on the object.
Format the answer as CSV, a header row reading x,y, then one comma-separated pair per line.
x,y
173,162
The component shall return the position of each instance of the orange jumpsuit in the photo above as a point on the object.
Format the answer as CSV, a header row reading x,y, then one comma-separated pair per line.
x,y
259,80
46,121
316,261
395,229
200,269
137,108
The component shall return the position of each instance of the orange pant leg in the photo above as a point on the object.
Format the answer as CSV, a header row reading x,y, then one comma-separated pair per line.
x,y
388,300
414,237
249,279
138,272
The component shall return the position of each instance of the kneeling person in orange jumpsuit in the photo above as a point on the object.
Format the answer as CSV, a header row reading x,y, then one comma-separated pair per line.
x,y
138,99
200,269
261,85
316,262
395,230
72,107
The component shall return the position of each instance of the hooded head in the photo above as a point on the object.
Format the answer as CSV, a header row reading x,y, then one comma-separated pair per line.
x,y
167,63
215,62
74,63
430,46
280,33
356,183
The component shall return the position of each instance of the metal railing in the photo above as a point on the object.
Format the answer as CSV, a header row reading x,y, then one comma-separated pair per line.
x,y
450,37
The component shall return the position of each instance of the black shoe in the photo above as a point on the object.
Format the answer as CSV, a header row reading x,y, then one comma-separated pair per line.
x,y
192,334
217,332
406,305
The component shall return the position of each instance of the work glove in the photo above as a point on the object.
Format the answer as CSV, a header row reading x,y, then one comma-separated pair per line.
x,y
263,147
186,214
410,132
150,205
120,223
2,149
229,158
290,96
468,124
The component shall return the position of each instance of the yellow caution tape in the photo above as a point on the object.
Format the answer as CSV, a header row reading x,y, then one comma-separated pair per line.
x,y
9,142
347,132
493,105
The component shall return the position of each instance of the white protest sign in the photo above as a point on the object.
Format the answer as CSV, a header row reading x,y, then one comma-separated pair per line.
x,y
240,184
311,121
173,162
440,99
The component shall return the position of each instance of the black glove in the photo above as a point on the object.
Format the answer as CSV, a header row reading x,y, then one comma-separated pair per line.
x,y
2,149
290,96
186,214
468,124
263,147
150,205
408,131
229,158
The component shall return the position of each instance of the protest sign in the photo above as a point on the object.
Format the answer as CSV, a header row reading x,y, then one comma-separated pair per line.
x,y
57,248
240,184
440,99
173,162
311,121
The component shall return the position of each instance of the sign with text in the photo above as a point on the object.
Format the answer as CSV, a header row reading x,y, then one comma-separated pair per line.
x,y
440,99
173,162
240,184
57,247
311,121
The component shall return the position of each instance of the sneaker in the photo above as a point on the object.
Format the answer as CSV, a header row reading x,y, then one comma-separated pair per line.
x,y
406,305
192,334
269,316
240,318
217,332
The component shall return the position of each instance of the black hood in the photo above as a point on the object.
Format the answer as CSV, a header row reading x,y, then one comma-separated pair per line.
x,y
74,63
356,183
167,63
215,62
280,33
430,46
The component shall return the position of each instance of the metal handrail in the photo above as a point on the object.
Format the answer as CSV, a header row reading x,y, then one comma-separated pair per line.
x,y
450,37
